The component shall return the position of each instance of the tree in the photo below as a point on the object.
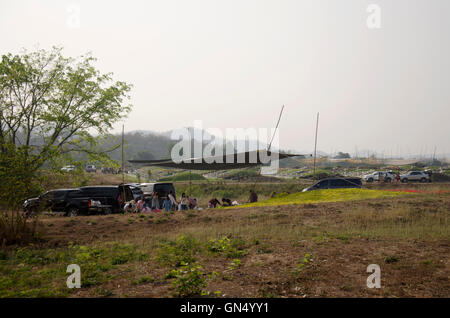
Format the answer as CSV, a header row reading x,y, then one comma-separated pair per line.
x,y
53,107
342,155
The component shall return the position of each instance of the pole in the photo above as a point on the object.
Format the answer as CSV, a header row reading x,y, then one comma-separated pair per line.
x,y
276,127
123,163
315,145
123,168
190,182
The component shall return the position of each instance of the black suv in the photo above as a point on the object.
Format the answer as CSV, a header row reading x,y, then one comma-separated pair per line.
x,y
336,183
54,200
84,200
162,188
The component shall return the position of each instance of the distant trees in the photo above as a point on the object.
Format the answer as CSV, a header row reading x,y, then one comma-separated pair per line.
x,y
50,108
342,155
144,155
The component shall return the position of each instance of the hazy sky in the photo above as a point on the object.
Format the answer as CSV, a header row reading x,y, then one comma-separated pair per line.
x,y
234,63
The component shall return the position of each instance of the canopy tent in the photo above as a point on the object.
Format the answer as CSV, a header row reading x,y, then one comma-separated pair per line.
x,y
227,161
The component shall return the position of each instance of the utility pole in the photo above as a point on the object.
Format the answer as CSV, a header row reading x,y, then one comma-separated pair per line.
x,y
123,163
124,198
315,145
190,182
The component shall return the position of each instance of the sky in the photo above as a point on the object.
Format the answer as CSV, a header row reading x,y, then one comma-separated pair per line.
x,y
234,63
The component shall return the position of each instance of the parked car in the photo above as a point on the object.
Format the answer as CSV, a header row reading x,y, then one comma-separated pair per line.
x,y
91,168
137,192
415,176
336,183
111,198
68,168
162,188
379,176
84,200
54,200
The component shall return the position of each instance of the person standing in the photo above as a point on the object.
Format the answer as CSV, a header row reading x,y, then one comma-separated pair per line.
x,y
155,202
253,197
173,199
140,204
183,202
397,177
167,204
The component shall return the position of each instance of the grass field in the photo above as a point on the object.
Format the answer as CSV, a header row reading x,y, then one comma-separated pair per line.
x,y
292,246
324,196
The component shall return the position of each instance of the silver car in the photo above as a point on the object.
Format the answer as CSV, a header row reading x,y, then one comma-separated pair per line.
x,y
379,176
415,176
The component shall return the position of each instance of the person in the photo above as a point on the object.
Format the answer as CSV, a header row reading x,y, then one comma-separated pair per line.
x,y
155,202
130,207
397,177
253,197
212,204
226,202
273,194
173,199
167,204
147,207
147,202
192,203
140,204
183,202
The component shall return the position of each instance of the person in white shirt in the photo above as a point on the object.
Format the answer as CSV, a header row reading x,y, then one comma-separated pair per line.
x,y
183,202
173,199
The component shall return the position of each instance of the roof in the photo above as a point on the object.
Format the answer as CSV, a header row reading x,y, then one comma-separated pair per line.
x,y
224,162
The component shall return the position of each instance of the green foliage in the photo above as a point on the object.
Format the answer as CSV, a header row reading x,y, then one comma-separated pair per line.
x,y
329,195
34,272
300,266
143,280
52,107
15,174
226,246
342,155
241,174
184,176
391,259
320,174
15,228
174,253
188,280
234,264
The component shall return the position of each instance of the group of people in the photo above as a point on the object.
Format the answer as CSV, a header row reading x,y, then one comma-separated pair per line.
x,y
170,202
214,202
157,204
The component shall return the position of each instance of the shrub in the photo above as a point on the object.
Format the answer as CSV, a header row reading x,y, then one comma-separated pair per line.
x,y
143,280
300,266
188,280
391,259
15,228
184,176
231,248
175,253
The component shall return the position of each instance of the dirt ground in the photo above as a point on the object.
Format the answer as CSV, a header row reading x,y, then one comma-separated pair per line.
x,y
340,239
